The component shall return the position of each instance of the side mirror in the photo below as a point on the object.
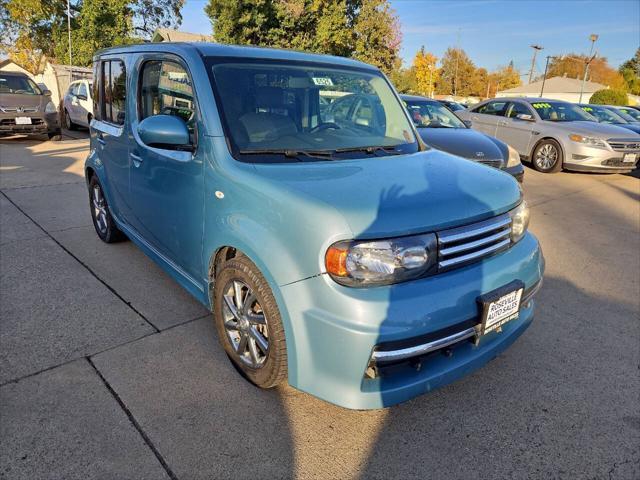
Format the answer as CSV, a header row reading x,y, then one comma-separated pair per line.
x,y
46,92
525,116
468,123
164,131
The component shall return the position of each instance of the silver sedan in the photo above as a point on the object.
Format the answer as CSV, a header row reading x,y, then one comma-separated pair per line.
x,y
553,135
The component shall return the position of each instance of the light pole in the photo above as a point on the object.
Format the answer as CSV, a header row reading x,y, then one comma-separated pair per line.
x,y
536,49
593,37
69,29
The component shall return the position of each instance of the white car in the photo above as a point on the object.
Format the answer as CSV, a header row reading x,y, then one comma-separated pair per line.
x,y
77,106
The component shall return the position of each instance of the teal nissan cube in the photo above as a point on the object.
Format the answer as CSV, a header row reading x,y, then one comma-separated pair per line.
x,y
291,194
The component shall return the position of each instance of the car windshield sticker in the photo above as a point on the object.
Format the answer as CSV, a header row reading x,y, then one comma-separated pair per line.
x,y
323,81
587,109
541,105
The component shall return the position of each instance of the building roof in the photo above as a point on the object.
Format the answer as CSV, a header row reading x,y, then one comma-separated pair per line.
x,y
556,85
169,35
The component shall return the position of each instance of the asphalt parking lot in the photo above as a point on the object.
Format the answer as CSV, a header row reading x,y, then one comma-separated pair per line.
x,y
109,370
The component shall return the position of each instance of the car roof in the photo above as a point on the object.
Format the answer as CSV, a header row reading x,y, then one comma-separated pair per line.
x,y
207,49
14,74
417,98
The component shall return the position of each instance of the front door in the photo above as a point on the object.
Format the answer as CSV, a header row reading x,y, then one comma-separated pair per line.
x,y
166,185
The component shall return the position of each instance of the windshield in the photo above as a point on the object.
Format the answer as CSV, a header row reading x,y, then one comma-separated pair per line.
x,y
430,114
18,85
455,106
561,112
629,114
603,115
271,110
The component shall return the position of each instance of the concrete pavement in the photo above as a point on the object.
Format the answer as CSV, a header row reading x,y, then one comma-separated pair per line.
x,y
108,369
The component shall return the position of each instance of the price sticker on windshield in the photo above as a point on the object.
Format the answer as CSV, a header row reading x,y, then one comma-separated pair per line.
x,y
541,105
322,81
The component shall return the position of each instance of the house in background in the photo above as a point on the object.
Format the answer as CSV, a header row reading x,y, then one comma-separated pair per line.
x,y
52,76
169,35
556,88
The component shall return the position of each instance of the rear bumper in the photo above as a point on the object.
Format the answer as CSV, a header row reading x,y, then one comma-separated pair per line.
x,y
333,330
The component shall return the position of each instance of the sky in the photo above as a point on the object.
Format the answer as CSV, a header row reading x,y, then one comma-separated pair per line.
x,y
493,32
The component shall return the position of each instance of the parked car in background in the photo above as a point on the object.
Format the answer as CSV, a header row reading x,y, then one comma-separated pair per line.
x,y
453,106
441,129
77,104
25,108
610,116
335,250
553,135
628,113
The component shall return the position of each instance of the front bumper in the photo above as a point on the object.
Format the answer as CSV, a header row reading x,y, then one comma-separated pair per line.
x,y
41,123
516,171
583,158
333,330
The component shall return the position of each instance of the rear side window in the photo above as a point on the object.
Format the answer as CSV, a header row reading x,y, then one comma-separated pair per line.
x,y
166,89
492,108
113,92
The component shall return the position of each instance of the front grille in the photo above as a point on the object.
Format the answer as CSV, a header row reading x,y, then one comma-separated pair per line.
x,y
471,243
11,122
491,163
624,145
19,109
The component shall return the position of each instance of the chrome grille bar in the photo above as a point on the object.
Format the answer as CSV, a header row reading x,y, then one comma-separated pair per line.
x,y
463,245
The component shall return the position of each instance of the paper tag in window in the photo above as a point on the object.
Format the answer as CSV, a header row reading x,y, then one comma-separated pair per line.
x,y
322,81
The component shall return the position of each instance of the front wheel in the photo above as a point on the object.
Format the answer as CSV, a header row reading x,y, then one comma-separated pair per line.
x,y
103,222
248,323
547,157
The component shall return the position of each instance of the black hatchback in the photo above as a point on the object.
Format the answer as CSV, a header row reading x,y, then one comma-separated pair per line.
x,y
442,130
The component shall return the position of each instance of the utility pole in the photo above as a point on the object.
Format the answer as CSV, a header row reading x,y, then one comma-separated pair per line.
x,y
69,29
536,49
544,77
593,37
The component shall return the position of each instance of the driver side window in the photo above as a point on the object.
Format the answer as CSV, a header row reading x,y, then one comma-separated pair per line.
x,y
166,89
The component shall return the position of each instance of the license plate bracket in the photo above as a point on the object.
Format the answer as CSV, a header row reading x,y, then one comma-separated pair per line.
x,y
23,120
500,306
629,158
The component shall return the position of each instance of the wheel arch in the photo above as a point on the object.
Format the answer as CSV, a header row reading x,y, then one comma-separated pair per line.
x,y
540,140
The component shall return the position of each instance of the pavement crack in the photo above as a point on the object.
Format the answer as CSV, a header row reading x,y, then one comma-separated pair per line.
x,y
109,287
134,422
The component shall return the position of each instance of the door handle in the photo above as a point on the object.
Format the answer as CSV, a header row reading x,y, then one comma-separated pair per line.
x,y
136,159
502,122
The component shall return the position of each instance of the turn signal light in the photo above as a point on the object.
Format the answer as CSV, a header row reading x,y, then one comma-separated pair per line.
x,y
336,261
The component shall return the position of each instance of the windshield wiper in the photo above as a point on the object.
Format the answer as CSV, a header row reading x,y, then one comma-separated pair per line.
x,y
295,154
371,150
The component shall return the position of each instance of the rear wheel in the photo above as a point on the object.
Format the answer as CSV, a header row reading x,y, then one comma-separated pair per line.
x,y
102,220
248,323
68,122
547,157
55,136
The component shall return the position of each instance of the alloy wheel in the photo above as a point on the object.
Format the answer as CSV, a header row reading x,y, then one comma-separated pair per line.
x,y
99,209
245,324
546,156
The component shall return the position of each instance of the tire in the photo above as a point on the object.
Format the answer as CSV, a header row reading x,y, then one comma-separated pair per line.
x,y
265,367
102,220
55,136
547,156
68,122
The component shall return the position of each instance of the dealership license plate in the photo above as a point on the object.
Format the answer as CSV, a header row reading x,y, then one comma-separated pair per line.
x,y
23,120
629,158
500,306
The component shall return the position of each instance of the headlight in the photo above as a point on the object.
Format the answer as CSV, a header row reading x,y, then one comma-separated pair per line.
x,y
514,157
50,108
381,262
590,141
519,221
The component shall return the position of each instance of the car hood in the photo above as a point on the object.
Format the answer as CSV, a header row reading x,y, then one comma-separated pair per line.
x,y
17,100
634,127
399,195
594,129
463,142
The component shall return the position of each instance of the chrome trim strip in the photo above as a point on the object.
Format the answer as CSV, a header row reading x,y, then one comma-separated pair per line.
x,y
381,356
473,230
474,244
475,255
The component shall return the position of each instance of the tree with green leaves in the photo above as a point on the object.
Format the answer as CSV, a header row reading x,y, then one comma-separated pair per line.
x,y
630,71
364,29
33,28
609,97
